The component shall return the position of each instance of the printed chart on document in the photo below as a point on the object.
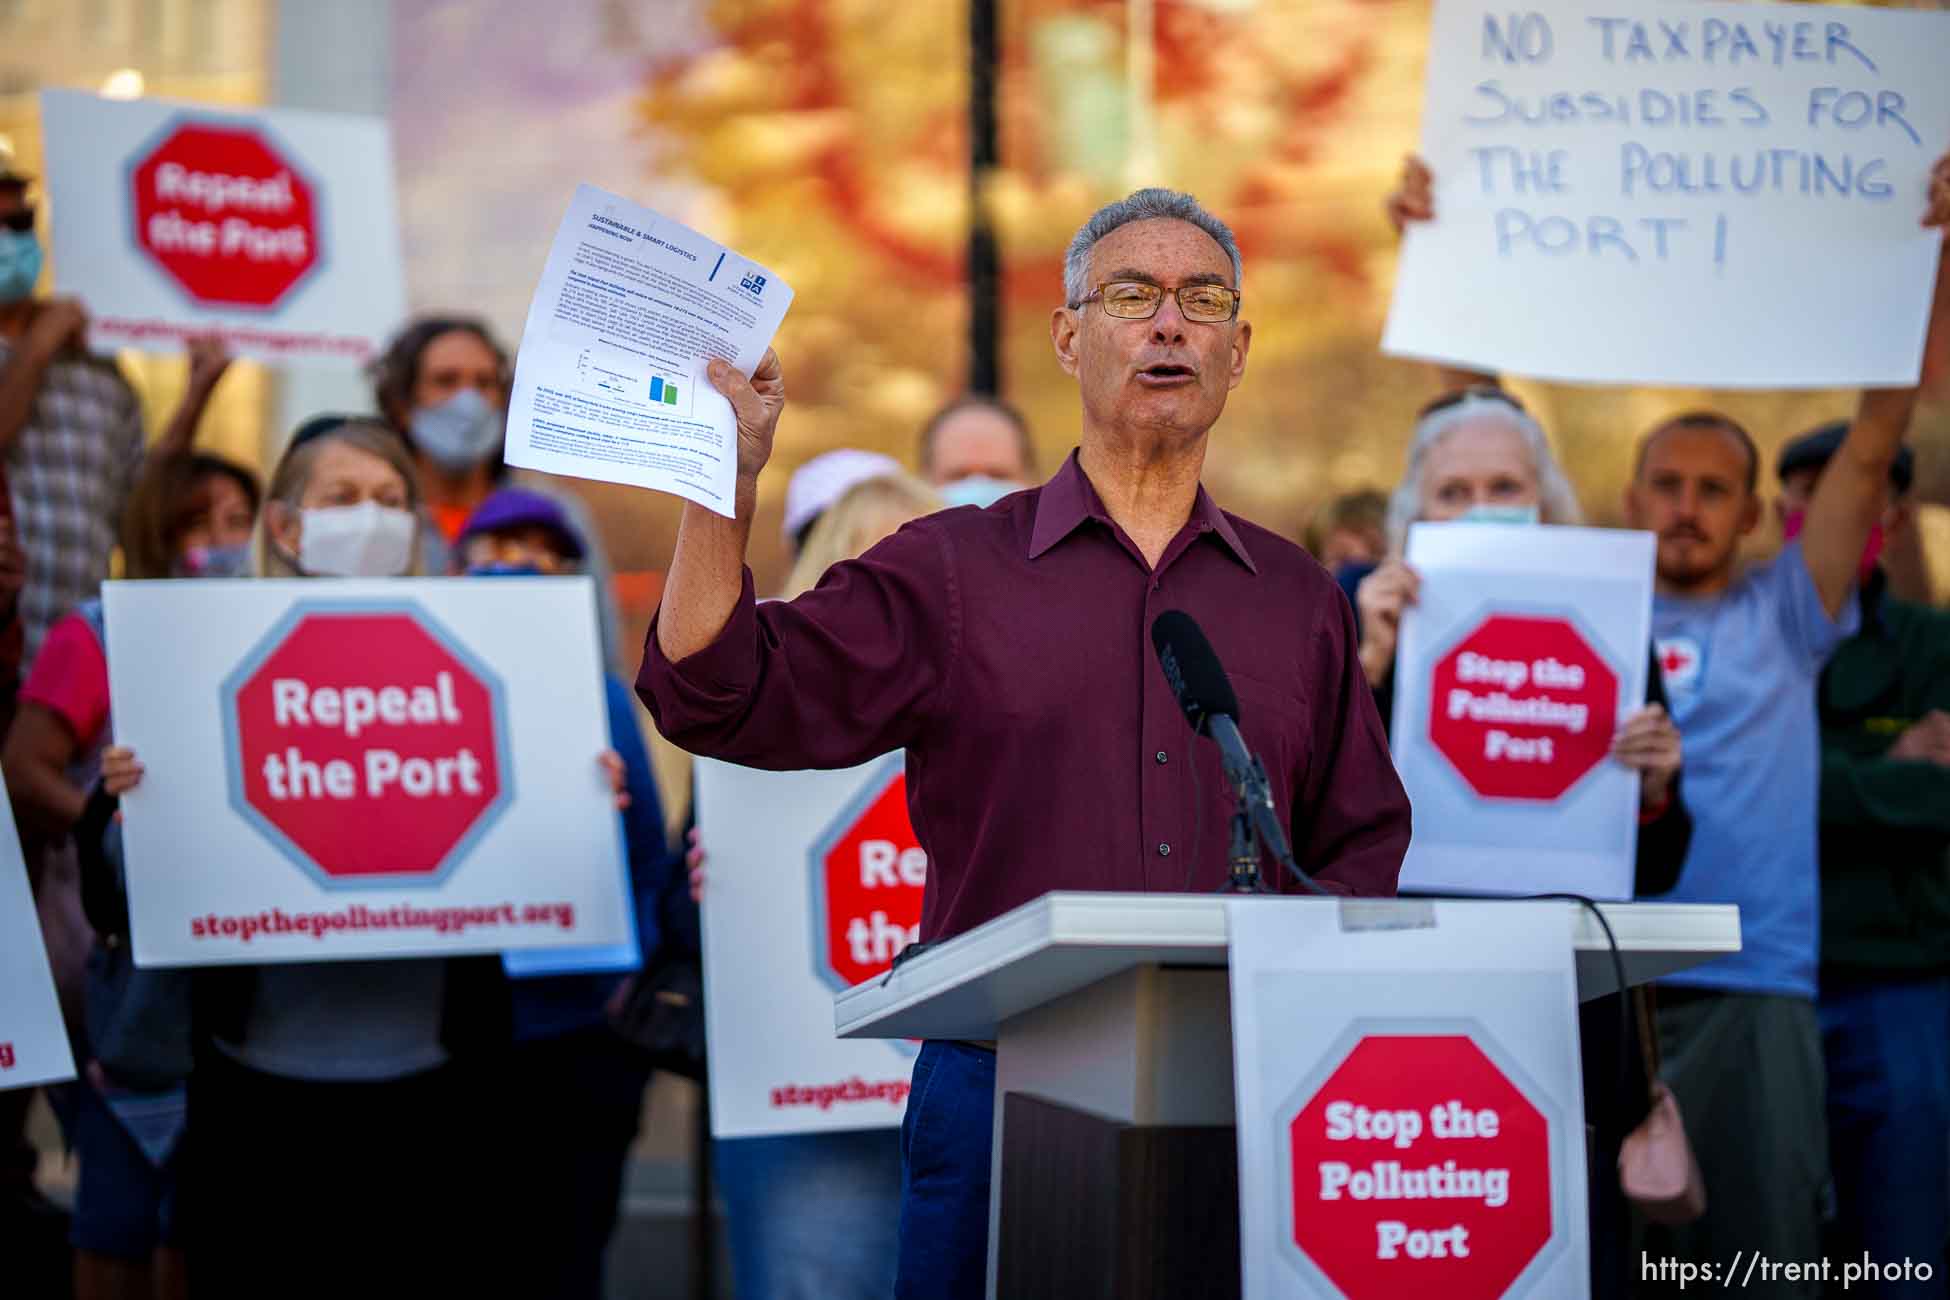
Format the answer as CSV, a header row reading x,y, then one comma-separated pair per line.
x,y
615,372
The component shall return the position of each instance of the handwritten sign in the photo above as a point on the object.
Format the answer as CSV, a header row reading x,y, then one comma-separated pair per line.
x,y
1724,194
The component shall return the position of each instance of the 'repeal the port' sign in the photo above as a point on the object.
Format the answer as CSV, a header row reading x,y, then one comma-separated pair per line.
x,y
816,884
222,210
339,769
367,743
275,229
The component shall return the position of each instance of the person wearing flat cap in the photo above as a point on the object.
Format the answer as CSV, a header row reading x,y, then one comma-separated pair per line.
x,y
1884,1004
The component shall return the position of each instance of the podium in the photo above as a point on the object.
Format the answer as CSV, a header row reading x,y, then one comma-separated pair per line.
x,y
1115,1165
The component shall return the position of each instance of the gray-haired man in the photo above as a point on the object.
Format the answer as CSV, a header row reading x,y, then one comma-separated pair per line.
x,y
1006,651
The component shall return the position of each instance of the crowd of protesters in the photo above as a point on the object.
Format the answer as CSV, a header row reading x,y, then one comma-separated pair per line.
x,y
1792,752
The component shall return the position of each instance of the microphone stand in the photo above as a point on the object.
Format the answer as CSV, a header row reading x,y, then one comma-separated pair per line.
x,y
1244,877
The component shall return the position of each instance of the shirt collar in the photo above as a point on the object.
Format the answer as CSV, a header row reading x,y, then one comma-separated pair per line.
x,y
1068,499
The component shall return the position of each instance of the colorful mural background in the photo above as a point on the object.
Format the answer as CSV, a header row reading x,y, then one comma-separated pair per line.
x,y
828,138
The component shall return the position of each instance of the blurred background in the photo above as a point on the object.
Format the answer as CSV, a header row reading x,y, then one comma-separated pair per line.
x,y
914,170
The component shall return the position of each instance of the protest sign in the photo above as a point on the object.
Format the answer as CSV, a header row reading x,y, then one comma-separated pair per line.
x,y
273,228
815,895
1409,1112
364,768
1723,194
610,382
1513,670
33,1044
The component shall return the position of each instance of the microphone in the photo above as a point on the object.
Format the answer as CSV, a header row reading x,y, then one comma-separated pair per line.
x,y
1205,694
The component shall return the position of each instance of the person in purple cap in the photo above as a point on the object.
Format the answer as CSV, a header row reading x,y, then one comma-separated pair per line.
x,y
568,1066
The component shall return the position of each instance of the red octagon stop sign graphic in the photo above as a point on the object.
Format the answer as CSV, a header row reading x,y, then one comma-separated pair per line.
x,y
1420,1169
226,214
1523,707
366,744
869,875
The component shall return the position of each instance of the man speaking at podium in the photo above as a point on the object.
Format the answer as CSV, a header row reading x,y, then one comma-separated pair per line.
x,y
1008,652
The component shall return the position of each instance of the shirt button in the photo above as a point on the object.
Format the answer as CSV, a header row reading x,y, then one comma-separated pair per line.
x,y
1161,756
1164,850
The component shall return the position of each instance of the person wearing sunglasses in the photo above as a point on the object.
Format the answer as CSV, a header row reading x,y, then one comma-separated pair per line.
x,y
1742,649
1007,651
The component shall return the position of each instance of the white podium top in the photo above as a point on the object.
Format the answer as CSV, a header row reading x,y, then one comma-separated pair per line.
x,y
967,986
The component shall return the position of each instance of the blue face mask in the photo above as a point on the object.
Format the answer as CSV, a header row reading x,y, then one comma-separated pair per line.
x,y
461,432
20,264
504,571
214,562
977,490
1500,515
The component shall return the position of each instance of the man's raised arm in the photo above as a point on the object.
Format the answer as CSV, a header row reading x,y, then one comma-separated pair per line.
x,y
1847,500
708,566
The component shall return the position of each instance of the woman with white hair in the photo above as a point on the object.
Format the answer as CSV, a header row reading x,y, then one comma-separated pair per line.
x,y
1477,454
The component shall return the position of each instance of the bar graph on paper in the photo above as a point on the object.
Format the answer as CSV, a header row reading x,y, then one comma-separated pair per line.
x,y
617,373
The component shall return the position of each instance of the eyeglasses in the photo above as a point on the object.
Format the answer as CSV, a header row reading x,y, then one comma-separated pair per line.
x,y
1480,392
1207,304
21,220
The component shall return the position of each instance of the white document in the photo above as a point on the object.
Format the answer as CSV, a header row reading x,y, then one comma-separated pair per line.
x,y
275,228
1702,193
815,884
338,769
1527,648
1409,1110
33,1043
610,383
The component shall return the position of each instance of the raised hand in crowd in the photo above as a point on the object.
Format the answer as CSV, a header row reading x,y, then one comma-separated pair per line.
x,y
1938,211
209,358
1383,597
121,771
1413,198
694,864
1649,744
1926,740
58,325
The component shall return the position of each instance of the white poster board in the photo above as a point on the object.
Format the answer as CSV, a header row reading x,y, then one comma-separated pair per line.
x,y
1409,1110
815,883
354,768
610,382
1512,672
275,228
1707,193
33,1043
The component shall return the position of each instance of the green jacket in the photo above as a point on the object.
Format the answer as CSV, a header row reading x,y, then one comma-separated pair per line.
x,y
1885,823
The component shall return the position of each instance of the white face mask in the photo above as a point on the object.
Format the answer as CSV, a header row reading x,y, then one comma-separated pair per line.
x,y
1501,515
363,541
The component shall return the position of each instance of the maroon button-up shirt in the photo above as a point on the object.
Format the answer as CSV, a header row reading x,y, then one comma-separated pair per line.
x,y
1008,651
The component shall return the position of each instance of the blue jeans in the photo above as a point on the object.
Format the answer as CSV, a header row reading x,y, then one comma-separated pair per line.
x,y
811,1216
1888,1050
946,1144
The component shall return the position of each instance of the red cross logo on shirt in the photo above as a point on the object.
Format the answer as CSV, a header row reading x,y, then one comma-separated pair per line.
x,y
1679,662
